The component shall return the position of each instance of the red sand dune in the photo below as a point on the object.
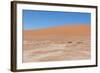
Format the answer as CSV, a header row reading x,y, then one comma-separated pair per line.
x,y
67,30
39,42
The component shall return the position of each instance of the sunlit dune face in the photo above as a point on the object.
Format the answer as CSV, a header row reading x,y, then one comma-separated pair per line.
x,y
57,44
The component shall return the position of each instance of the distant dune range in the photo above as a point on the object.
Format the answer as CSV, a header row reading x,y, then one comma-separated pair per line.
x,y
66,31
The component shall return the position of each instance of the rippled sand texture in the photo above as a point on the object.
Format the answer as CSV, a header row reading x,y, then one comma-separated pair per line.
x,y
57,44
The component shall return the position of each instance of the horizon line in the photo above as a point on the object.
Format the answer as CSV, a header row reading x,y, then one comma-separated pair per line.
x,y
59,26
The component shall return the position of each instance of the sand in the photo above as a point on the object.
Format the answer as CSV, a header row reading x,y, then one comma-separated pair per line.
x,y
57,44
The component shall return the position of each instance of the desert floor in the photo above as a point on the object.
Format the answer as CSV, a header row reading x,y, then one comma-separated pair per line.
x,y
68,48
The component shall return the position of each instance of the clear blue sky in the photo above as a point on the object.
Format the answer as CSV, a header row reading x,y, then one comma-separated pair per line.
x,y
33,19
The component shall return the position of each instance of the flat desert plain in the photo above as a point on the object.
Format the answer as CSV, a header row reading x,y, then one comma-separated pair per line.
x,y
68,42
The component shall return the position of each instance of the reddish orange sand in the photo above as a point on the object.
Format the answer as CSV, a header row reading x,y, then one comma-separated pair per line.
x,y
57,43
